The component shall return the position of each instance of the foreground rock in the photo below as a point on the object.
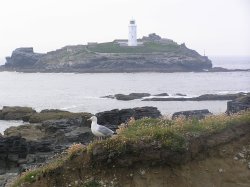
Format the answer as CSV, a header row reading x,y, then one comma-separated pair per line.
x,y
198,114
16,152
239,104
156,55
115,117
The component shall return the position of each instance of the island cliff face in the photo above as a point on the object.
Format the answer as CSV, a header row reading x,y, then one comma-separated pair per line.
x,y
154,55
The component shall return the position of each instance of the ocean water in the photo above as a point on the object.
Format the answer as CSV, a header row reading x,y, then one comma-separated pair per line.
x,y
6,124
83,92
232,62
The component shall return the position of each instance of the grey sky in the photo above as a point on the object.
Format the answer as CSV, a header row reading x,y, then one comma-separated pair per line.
x,y
222,27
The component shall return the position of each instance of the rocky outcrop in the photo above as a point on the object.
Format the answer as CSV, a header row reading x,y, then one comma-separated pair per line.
x,y
16,151
45,115
68,131
156,55
128,97
162,94
23,58
239,104
113,118
205,97
16,113
53,131
198,114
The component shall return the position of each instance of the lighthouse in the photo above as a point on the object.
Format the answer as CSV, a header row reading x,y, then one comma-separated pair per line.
x,y
132,36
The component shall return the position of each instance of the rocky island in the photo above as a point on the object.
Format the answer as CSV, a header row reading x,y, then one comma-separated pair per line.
x,y
154,54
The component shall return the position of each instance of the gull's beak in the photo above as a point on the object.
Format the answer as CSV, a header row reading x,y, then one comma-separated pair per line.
x,y
89,119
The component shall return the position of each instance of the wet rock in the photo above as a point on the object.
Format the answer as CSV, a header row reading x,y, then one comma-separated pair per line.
x,y
199,114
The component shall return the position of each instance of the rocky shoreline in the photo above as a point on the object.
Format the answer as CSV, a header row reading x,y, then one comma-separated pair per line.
x,y
177,97
50,132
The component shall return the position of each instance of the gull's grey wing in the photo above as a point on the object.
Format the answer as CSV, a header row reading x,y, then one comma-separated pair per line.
x,y
105,131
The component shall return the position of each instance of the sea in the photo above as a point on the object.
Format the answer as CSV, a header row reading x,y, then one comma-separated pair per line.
x,y
83,92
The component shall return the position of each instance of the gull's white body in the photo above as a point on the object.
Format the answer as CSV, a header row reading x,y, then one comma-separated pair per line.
x,y
99,130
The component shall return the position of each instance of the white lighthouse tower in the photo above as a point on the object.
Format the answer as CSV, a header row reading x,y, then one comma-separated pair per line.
x,y
132,36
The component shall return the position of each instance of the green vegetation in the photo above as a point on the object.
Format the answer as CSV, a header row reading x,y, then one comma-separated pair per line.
x,y
171,134
149,47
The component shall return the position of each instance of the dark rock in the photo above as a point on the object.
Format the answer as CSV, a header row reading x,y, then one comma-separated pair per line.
x,y
239,104
162,94
23,57
1,115
199,114
15,149
115,117
205,97
109,96
180,94
131,96
66,131
16,113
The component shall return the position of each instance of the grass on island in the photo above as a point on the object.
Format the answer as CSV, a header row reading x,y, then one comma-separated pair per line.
x,y
172,134
148,47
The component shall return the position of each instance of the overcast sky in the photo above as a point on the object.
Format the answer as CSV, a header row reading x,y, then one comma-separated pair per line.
x,y
221,27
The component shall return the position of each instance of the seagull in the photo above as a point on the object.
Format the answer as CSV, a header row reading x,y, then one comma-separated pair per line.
x,y
99,130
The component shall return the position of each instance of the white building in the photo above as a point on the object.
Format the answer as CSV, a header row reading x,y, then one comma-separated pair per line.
x,y
132,35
